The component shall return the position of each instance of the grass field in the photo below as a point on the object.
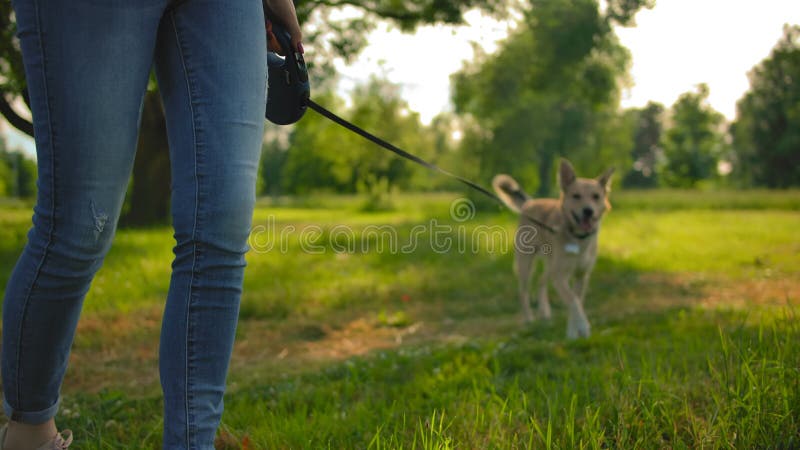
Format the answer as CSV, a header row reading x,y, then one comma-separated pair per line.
x,y
401,329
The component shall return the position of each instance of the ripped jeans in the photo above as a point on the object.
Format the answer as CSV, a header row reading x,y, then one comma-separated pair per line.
x,y
87,65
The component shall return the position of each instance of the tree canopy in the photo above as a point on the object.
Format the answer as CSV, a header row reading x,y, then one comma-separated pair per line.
x,y
552,89
767,129
695,140
17,173
646,152
342,37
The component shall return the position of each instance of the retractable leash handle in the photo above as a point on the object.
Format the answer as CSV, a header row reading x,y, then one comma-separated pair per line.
x,y
288,87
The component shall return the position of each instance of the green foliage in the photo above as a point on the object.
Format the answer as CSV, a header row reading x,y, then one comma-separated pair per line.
x,y
646,152
17,173
694,142
270,169
308,163
6,182
378,105
26,175
551,90
725,199
767,130
12,71
324,155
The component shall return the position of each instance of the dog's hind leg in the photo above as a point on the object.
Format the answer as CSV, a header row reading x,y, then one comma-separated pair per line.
x,y
541,295
524,267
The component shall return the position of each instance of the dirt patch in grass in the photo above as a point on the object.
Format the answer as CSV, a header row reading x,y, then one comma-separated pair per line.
x,y
121,351
769,291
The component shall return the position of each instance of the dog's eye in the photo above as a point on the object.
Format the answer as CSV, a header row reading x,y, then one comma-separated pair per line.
x,y
596,196
576,196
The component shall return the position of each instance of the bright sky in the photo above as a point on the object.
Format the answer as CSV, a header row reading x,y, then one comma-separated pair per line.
x,y
681,43
675,46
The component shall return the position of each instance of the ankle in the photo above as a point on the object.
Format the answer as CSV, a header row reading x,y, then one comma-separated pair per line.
x,y
23,436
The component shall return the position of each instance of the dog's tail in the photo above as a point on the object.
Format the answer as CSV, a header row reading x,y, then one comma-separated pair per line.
x,y
510,192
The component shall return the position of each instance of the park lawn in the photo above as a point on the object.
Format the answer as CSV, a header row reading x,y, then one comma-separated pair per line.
x,y
364,330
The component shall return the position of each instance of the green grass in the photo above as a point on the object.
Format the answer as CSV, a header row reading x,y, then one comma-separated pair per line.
x,y
678,199
693,307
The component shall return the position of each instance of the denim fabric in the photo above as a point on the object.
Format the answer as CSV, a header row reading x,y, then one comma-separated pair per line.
x,y
87,64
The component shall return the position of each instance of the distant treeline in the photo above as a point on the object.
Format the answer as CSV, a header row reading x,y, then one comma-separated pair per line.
x,y
552,89
17,173
555,104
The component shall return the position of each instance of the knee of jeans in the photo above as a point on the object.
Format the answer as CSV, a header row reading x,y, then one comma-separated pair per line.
x,y
78,237
224,233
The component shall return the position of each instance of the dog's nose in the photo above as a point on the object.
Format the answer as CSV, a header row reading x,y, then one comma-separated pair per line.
x,y
588,212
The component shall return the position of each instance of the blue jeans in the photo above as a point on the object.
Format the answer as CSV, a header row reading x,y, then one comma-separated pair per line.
x,y
87,64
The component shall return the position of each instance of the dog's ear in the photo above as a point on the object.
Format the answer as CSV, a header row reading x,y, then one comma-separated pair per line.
x,y
566,174
605,179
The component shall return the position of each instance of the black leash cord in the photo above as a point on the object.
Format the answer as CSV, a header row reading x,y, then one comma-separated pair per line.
x,y
400,152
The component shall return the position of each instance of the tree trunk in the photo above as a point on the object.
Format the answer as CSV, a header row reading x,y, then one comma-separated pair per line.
x,y
545,175
149,194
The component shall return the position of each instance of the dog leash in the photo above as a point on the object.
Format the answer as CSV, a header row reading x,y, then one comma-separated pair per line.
x,y
411,157
394,149
289,95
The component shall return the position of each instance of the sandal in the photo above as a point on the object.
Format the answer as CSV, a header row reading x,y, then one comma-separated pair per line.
x,y
59,441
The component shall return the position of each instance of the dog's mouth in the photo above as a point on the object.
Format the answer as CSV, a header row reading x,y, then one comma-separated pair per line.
x,y
585,224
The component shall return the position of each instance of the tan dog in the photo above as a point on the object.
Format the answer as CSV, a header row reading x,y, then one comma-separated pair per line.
x,y
563,233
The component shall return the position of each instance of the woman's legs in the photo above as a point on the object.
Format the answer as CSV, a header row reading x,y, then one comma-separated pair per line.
x,y
211,68
87,66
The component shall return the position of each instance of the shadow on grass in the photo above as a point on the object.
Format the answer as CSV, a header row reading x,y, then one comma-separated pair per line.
x,y
442,299
300,308
452,285
646,382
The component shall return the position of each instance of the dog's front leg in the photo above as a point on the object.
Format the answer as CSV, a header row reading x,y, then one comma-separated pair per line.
x,y
581,283
577,324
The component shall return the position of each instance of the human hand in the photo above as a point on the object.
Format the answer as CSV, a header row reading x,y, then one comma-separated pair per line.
x,y
283,10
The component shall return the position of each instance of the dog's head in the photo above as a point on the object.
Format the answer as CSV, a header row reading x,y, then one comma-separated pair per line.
x,y
583,200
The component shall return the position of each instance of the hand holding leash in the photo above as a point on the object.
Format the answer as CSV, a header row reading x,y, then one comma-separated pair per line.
x,y
289,88
283,12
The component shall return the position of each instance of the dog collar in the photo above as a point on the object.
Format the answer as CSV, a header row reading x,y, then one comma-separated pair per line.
x,y
581,236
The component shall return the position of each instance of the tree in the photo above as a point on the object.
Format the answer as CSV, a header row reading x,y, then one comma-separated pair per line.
x,y
328,38
766,134
270,168
148,197
551,90
324,155
438,143
21,174
694,140
12,72
646,151
6,177
26,175
17,173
